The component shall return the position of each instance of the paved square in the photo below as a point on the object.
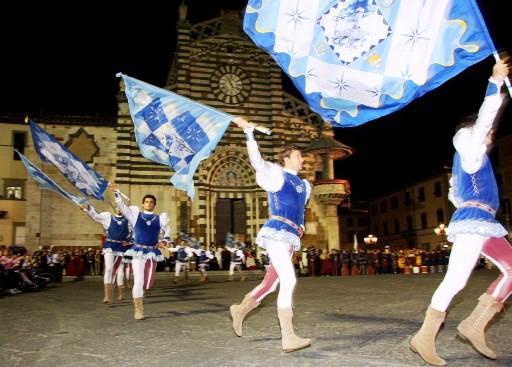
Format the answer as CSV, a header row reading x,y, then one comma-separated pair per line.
x,y
354,321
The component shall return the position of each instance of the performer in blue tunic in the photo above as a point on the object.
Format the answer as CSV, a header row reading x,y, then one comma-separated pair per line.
x,y
118,233
473,230
203,258
183,253
237,259
147,227
280,235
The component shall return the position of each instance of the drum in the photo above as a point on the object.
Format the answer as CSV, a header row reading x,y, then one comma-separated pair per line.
x,y
440,268
416,269
424,269
432,268
407,269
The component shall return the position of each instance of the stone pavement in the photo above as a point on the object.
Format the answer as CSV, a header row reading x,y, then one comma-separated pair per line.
x,y
355,321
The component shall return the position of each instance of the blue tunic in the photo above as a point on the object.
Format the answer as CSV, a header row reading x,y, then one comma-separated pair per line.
x,y
147,233
477,200
117,232
289,203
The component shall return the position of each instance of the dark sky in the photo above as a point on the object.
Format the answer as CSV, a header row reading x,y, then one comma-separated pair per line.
x,y
62,61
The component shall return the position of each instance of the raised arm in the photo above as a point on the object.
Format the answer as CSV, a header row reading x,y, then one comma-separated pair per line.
x,y
268,175
131,213
471,142
103,218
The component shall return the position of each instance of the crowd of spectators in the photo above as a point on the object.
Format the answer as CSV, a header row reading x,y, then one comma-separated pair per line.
x,y
21,272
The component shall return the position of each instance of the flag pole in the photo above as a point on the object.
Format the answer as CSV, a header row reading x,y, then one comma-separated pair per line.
x,y
261,129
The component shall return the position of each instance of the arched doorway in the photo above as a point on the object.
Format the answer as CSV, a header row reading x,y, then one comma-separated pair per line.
x,y
232,202
230,216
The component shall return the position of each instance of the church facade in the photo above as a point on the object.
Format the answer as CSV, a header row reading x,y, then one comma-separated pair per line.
x,y
215,64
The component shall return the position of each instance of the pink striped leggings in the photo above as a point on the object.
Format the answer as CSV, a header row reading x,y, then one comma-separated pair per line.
x,y
499,251
466,251
280,271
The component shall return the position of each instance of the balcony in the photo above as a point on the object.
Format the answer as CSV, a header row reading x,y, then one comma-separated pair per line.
x,y
331,192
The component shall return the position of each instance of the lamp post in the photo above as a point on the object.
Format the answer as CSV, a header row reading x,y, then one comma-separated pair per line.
x,y
370,240
440,230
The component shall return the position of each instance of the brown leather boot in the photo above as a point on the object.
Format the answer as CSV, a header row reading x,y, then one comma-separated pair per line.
x,y
139,308
107,298
424,342
238,312
120,292
472,328
290,341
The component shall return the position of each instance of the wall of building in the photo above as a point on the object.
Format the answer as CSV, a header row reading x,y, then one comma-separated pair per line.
x,y
420,200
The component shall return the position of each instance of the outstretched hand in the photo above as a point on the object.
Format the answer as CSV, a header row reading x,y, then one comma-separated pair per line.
x,y
112,186
241,122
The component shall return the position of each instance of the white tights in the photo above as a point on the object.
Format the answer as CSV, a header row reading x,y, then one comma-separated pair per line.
x,y
138,266
463,257
109,258
281,272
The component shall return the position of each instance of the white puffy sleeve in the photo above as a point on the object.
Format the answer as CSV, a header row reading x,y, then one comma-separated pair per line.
x,y
470,142
165,227
104,218
269,176
308,189
131,213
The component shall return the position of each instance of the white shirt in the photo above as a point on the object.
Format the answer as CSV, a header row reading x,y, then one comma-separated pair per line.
x,y
132,213
269,176
470,142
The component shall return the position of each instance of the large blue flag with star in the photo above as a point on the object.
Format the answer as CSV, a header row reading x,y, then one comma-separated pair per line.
x,y
357,60
174,130
73,168
46,183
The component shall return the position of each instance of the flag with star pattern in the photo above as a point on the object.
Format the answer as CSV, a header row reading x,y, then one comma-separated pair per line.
x,y
357,60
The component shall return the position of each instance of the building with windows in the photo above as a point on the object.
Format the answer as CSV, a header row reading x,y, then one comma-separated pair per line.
x,y
354,225
407,217
12,184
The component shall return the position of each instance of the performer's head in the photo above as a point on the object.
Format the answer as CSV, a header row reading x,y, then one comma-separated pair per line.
x,y
290,157
469,121
148,202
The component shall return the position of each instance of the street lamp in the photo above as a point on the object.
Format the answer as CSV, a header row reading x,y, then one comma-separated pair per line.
x,y
440,230
370,240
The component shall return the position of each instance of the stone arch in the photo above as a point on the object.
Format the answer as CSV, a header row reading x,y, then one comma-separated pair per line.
x,y
228,170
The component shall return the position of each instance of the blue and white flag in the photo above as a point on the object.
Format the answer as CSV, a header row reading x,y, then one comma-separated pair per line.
x,y
174,130
46,183
73,168
357,60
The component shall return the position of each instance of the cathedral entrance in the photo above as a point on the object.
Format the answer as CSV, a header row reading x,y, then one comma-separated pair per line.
x,y
230,216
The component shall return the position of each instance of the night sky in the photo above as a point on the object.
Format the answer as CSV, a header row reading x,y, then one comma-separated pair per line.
x,y
65,64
